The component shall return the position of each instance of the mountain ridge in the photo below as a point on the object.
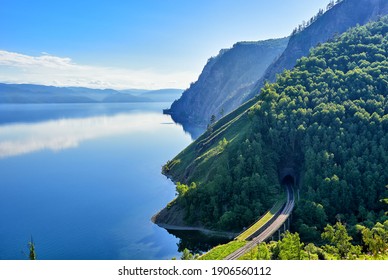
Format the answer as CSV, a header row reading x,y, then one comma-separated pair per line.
x,y
32,93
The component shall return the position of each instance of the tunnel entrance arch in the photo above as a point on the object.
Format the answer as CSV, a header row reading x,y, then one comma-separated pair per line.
x,y
288,175
288,180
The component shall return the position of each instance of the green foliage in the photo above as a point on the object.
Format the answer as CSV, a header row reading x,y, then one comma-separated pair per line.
x,y
339,246
376,238
263,252
31,249
310,219
290,247
331,113
339,242
327,118
222,251
181,189
312,251
187,255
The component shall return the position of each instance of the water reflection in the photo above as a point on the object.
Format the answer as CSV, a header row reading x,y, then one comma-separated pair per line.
x,y
56,135
194,130
196,241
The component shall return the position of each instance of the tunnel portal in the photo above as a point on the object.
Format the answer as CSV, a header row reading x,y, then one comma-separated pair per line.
x,y
288,180
288,176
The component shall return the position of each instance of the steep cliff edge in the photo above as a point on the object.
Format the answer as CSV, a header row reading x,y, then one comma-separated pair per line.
x,y
220,87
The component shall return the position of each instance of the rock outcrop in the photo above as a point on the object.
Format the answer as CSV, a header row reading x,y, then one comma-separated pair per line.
x,y
224,81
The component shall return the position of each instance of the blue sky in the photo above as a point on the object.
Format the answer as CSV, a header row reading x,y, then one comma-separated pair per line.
x,y
134,43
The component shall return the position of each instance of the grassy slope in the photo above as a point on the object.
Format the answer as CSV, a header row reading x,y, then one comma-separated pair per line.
x,y
194,163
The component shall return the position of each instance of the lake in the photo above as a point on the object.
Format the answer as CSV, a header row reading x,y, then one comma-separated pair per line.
x,y
84,180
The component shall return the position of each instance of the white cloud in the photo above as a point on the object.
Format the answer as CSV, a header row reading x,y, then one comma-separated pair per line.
x,y
45,60
47,69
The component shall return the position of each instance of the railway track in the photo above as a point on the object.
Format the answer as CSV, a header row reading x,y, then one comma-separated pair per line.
x,y
280,218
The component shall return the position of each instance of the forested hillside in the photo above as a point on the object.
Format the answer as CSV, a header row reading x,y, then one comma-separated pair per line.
x,y
339,17
327,119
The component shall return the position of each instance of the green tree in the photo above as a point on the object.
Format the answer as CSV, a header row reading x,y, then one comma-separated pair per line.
x,y
181,189
312,251
187,255
263,252
376,238
290,247
339,242
31,248
385,200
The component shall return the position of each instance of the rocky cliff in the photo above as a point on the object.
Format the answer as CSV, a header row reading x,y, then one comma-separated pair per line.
x,y
224,79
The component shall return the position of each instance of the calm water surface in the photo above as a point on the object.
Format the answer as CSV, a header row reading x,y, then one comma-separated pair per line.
x,y
84,180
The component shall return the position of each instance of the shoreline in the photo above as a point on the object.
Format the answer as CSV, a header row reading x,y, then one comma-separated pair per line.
x,y
205,231
177,223
181,227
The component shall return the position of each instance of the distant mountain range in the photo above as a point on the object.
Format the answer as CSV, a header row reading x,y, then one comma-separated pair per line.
x,y
29,93
238,74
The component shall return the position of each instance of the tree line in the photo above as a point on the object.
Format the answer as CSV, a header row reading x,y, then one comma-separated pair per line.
x,y
314,18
